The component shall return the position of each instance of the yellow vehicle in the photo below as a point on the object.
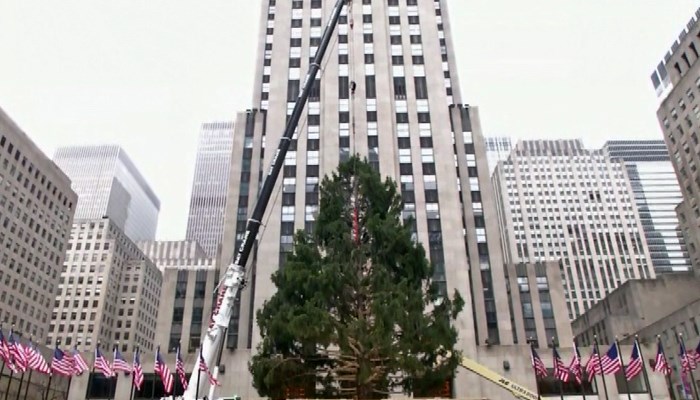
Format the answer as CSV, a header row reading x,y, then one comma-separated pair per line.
x,y
517,390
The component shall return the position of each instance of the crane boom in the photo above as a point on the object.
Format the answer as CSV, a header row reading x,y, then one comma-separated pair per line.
x,y
518,391
234,278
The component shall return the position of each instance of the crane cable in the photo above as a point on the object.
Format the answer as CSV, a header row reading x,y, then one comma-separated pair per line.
x,y
220,289
300,129
353,88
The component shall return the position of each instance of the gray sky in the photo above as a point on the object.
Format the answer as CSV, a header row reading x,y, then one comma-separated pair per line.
x,y
145,74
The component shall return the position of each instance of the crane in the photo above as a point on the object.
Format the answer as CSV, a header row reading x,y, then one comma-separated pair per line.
x,y
234,278
518,391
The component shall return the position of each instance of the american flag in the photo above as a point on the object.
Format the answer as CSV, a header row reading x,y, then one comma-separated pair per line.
x,y
4,350
593,364
119,363
180,369
138,371
687,361
17,353
660,363
79,364
634,367
612,363
36,361
203,367
575,366
62,363
101,363
537,364
160,368
560,370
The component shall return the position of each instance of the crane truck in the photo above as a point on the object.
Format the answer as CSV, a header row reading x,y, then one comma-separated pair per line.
x,y
234,279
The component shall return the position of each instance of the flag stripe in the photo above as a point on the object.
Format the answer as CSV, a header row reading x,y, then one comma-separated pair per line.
x,y
560,370
80,366
537,364
634,367
138,371
163,371
62,363
204,368
101,364
180,369
36,362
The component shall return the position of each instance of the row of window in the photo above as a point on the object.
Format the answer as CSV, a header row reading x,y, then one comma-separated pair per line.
x,y
34,171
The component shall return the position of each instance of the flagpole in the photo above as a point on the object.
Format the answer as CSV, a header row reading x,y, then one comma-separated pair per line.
x,y
48,387
690,370
21,380
577,354
644,367
9,382
70,380
624,371
175,376
133,389
669,384
19,390
532,357
199,376
2,369
153,388
133,375
12,371
113,379
29,382
600,365
561,383
92,372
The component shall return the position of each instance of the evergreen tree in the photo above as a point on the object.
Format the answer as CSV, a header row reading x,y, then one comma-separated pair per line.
x,y
355,308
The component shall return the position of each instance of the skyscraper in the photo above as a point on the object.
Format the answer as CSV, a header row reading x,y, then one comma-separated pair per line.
x,y
36,212
205,223
677,83
657,193
109,185
498,148
389,91
109,291
189,279
558,200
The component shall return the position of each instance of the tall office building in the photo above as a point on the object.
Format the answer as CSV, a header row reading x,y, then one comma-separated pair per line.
x,y
189,282
109,291
656,193
404,115
205,223
109,185
537,303
677,83
36,212
558,200
498,148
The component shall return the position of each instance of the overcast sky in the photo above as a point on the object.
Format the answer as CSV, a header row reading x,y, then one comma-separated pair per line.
x,y
146,74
